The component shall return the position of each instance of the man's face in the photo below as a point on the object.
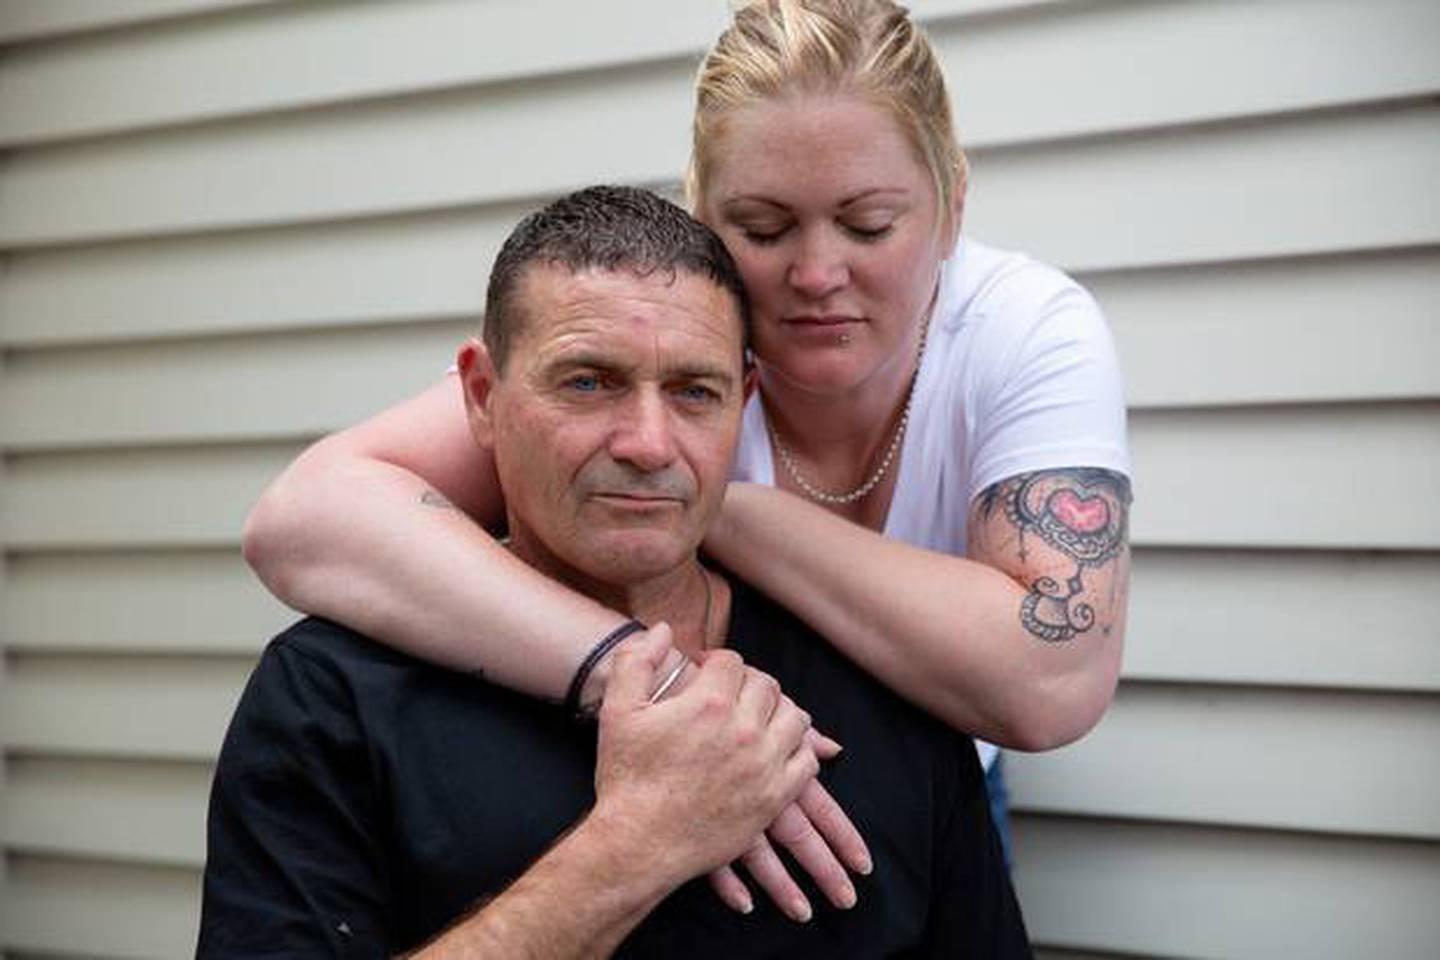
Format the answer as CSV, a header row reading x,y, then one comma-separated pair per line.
x,y
614,423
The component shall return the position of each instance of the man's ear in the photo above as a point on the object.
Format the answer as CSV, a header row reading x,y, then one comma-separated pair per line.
x,y
478,377
751,381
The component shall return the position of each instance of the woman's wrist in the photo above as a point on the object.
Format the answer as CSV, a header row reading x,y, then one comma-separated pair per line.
x,y
675,672
577,701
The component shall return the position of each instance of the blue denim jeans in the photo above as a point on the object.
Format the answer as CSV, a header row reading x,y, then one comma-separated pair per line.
x,y
999,804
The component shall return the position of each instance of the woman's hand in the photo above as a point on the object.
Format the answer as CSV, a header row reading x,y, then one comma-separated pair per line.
x,y
814,829
819,836
693,777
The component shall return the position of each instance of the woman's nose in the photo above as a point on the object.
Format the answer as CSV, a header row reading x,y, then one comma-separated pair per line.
x,y
819,268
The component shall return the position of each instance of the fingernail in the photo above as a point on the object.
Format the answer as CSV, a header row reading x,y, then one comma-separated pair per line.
x,y
847,898
864,866
747,906
800,910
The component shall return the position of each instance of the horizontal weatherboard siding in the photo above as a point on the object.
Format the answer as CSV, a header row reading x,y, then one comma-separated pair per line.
x,y
205,264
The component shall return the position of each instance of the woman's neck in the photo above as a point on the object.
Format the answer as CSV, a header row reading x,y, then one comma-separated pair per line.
x,y
846,426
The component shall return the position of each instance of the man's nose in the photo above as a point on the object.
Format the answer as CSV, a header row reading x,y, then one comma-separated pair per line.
x,y
643,436
819,268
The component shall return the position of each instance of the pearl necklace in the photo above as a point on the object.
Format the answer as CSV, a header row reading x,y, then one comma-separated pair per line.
x,y
862,491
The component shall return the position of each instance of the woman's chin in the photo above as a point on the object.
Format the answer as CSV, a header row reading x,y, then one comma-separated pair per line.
x,y
825,372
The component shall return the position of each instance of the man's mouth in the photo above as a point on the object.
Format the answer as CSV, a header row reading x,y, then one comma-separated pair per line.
x,y
637,499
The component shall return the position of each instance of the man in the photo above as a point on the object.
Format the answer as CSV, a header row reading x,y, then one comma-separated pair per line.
x,y
365,803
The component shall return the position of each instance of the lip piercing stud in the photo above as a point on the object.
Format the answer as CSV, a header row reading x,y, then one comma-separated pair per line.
x,y
845,339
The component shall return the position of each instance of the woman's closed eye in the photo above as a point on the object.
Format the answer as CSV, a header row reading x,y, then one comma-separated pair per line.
x,y
869,224
868,233
762,234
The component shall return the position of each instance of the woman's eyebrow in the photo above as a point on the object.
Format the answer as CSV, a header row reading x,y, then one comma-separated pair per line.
x,y
748,198
871,193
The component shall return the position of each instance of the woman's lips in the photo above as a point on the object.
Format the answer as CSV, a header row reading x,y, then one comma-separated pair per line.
x,y
829,329
825,321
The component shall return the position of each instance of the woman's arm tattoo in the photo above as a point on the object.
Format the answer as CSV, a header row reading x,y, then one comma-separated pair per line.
x,y
1081,512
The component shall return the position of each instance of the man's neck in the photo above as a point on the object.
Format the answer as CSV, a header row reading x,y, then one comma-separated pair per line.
x,y
687,597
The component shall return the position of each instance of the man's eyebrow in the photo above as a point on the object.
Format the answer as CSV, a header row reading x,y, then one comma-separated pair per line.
x,y
701,372
590,359
582,358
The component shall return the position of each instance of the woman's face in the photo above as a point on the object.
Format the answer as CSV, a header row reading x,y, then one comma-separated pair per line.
x,y
835,225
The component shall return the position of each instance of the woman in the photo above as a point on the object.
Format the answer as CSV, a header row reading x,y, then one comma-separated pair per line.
x,y
949,507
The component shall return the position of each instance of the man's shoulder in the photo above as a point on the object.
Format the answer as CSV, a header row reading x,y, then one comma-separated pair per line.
x,y
321,658
333,644
331,656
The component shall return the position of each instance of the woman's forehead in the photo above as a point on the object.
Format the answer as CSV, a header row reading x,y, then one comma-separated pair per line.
x,y
798,146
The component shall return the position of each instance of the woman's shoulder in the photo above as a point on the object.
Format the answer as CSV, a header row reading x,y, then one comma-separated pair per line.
x,y
984,283
1001,313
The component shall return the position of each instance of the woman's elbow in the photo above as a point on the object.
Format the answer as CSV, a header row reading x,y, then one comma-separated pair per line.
x,y
275,532
263,538
1061,709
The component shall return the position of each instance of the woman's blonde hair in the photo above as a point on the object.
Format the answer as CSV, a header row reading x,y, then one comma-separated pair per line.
x,y
868,48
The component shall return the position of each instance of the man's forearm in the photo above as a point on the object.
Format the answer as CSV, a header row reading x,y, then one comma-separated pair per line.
x,y
580,900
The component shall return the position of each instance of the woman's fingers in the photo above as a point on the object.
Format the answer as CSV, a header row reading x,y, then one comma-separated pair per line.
x,y
766,868
815,831
824,747
731,889
794,831
834,825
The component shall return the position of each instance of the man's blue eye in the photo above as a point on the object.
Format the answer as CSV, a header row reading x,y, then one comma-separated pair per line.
x,y
698,393
585,383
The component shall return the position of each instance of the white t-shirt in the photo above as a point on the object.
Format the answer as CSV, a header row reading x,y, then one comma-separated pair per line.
x,y
1019,374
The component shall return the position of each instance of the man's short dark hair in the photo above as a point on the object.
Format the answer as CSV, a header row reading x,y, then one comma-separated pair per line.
x,y
605,228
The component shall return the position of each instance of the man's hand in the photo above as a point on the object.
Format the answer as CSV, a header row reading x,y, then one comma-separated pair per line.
x,y
694,779
814,829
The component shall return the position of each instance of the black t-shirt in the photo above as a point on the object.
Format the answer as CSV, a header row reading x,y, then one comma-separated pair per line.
x,y
364,801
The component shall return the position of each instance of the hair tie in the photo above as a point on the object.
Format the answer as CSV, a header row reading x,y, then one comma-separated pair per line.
x,y
592,659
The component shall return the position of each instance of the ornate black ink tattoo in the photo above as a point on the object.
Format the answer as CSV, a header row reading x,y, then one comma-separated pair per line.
x,y
1083,513
434,498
